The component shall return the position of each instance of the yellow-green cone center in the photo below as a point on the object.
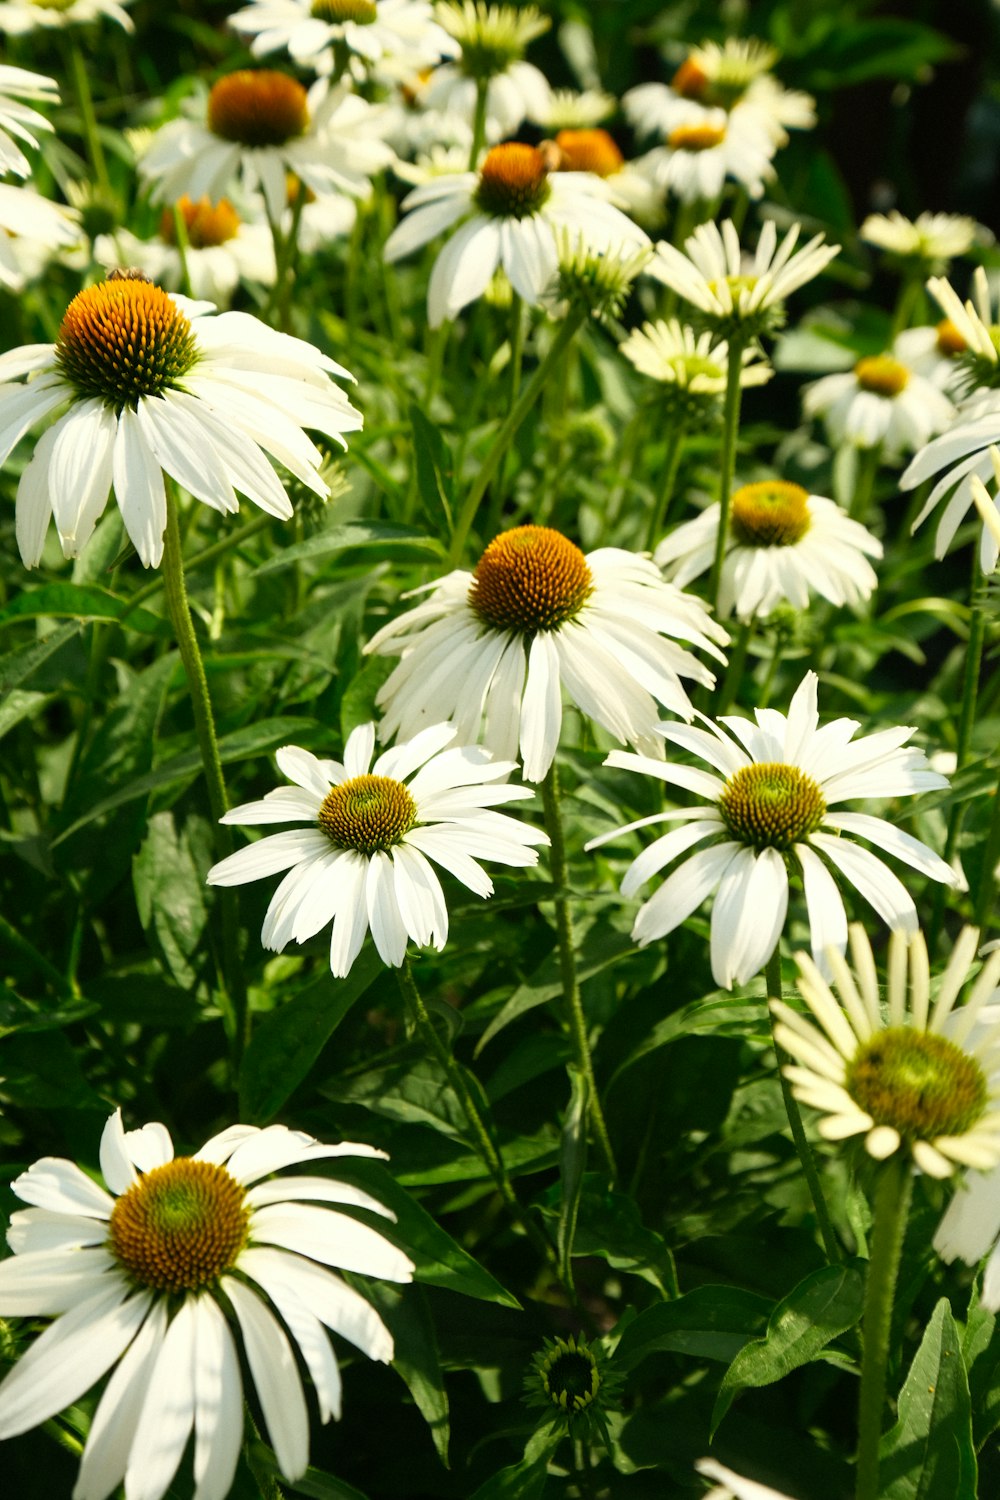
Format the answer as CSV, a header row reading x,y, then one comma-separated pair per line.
x,y
122,339
529,579
696,137
513,181
367,813
361,12
773,513
882,375
921,1084
771,805
570,1377
258,108
180,1226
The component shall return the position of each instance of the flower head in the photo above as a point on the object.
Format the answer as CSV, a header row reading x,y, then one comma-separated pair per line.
x,y
769,813
17,17
690,367
704,149
492,650
574,1382
883,402
365,858
783,543
931,240
160,1276
916,1079
491,37
600,282
393,36
150,384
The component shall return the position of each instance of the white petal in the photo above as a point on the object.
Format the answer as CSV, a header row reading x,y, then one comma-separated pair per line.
x,y
218,1410
138,482
60,1185
332,1239
276,1377
116,1166
268,856
105,1457
335,1304
167,1414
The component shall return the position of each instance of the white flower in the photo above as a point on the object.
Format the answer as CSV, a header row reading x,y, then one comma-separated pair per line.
x,y
516,209
733,1486
20,16
768,815
400,35
989,509
17,119
712,274
492,39
365,861
568,110
783,544
222,251
672,353
260,125
934,350
32,229
883,402
930,237
493,650
707,147
628,186
152,383
162,1275
915,1078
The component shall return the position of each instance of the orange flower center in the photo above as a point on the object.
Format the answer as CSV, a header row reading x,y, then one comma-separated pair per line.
x,y
772,513
529,579
589,151
180,1226
949,340
260,108
205,223
367,813
513,181
690,80
122,339
696,137
882,374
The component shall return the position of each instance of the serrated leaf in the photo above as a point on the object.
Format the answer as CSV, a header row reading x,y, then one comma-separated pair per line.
x,y
929,1454
710,1322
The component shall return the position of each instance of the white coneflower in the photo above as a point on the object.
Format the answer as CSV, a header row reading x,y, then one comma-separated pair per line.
x,y
931,239
221,251
19,119
171,1272
32,228
783,544
568,110
493,650
913,1078
394,35
149,384
17,17
768,814
704,150
492,39
883,402
689,363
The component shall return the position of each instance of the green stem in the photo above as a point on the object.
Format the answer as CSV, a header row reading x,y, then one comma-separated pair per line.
x,y
864,482
456,1077
567,964
201,559
906,304
987,877
764,696
181,236
285,248
478,123
730,431
513,391
179,610
735,669
802,1147
892,1204
85,101
508,431
671,463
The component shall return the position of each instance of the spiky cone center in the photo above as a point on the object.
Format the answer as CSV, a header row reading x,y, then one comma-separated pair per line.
x,y
361,12
122,339
773,513
513,181
258,108
205,223
368,813
696,137
570,1377
882,375
690,80
771,805
589,151
180,1226
918,1082
529,579
949,341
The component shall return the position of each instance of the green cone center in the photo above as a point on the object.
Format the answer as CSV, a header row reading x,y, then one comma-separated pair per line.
x,y
367,813
921,1084
771,805
361,12
180,1226
571,1380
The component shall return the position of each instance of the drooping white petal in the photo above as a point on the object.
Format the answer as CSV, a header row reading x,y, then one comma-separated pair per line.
x,y
105,1458
167,1414
276,1378
218,1403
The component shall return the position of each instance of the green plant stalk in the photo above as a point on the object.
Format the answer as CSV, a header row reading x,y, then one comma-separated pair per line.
x,y
181,234
573,321
772,977
567,965
478,122
991,857
285,251
85,101
671,463
513,391
734,671
892,1205
207,555
906,304
178,608
864,484
730,432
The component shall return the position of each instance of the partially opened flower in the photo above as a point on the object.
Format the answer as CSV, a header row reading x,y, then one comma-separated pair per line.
x,y
783,544
767,816
165,1275
364,860
398,35
492,40
221,251
18,119
493,650
690,367
150,383
921,1077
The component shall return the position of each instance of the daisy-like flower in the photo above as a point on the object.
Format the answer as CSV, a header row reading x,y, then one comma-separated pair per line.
x,y
19,119
732,1486
883,402
932,240
163,1274
568,110
400,35
596,151
705,149
32,228
365,860
737,294
516,209
915,1079
259,125
17,17
493,650
690,367
783,544
150,384
222,250
767,813
492,41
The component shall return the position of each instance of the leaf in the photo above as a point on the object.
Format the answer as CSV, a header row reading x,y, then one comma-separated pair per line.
x,y
169,884
83,601
929,1454
412,1089
435,469
287,1042
608,1225
572,1160
17,666
710,1322
825,1304
314,1484
18,705
384,534
886,47
601,948
416,1358
718,1014
981,1352
524,1480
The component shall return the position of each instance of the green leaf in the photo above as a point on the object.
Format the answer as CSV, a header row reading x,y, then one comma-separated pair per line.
x,y
314,1484
981,1352
83,601
822,1306
886,47
287,1042
524,1480
609,1225
18,705
572,1160
383,534
416,1358
929,1454
168,877
435,470
710,1322
718,1014
411,1088
17,666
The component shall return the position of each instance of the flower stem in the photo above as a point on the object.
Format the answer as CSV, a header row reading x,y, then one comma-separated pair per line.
x,y
85,101
802,1147
671,463
567,964
864,482
456,1077
478,122
508,431
736,667
730,431
892,1203
179,610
